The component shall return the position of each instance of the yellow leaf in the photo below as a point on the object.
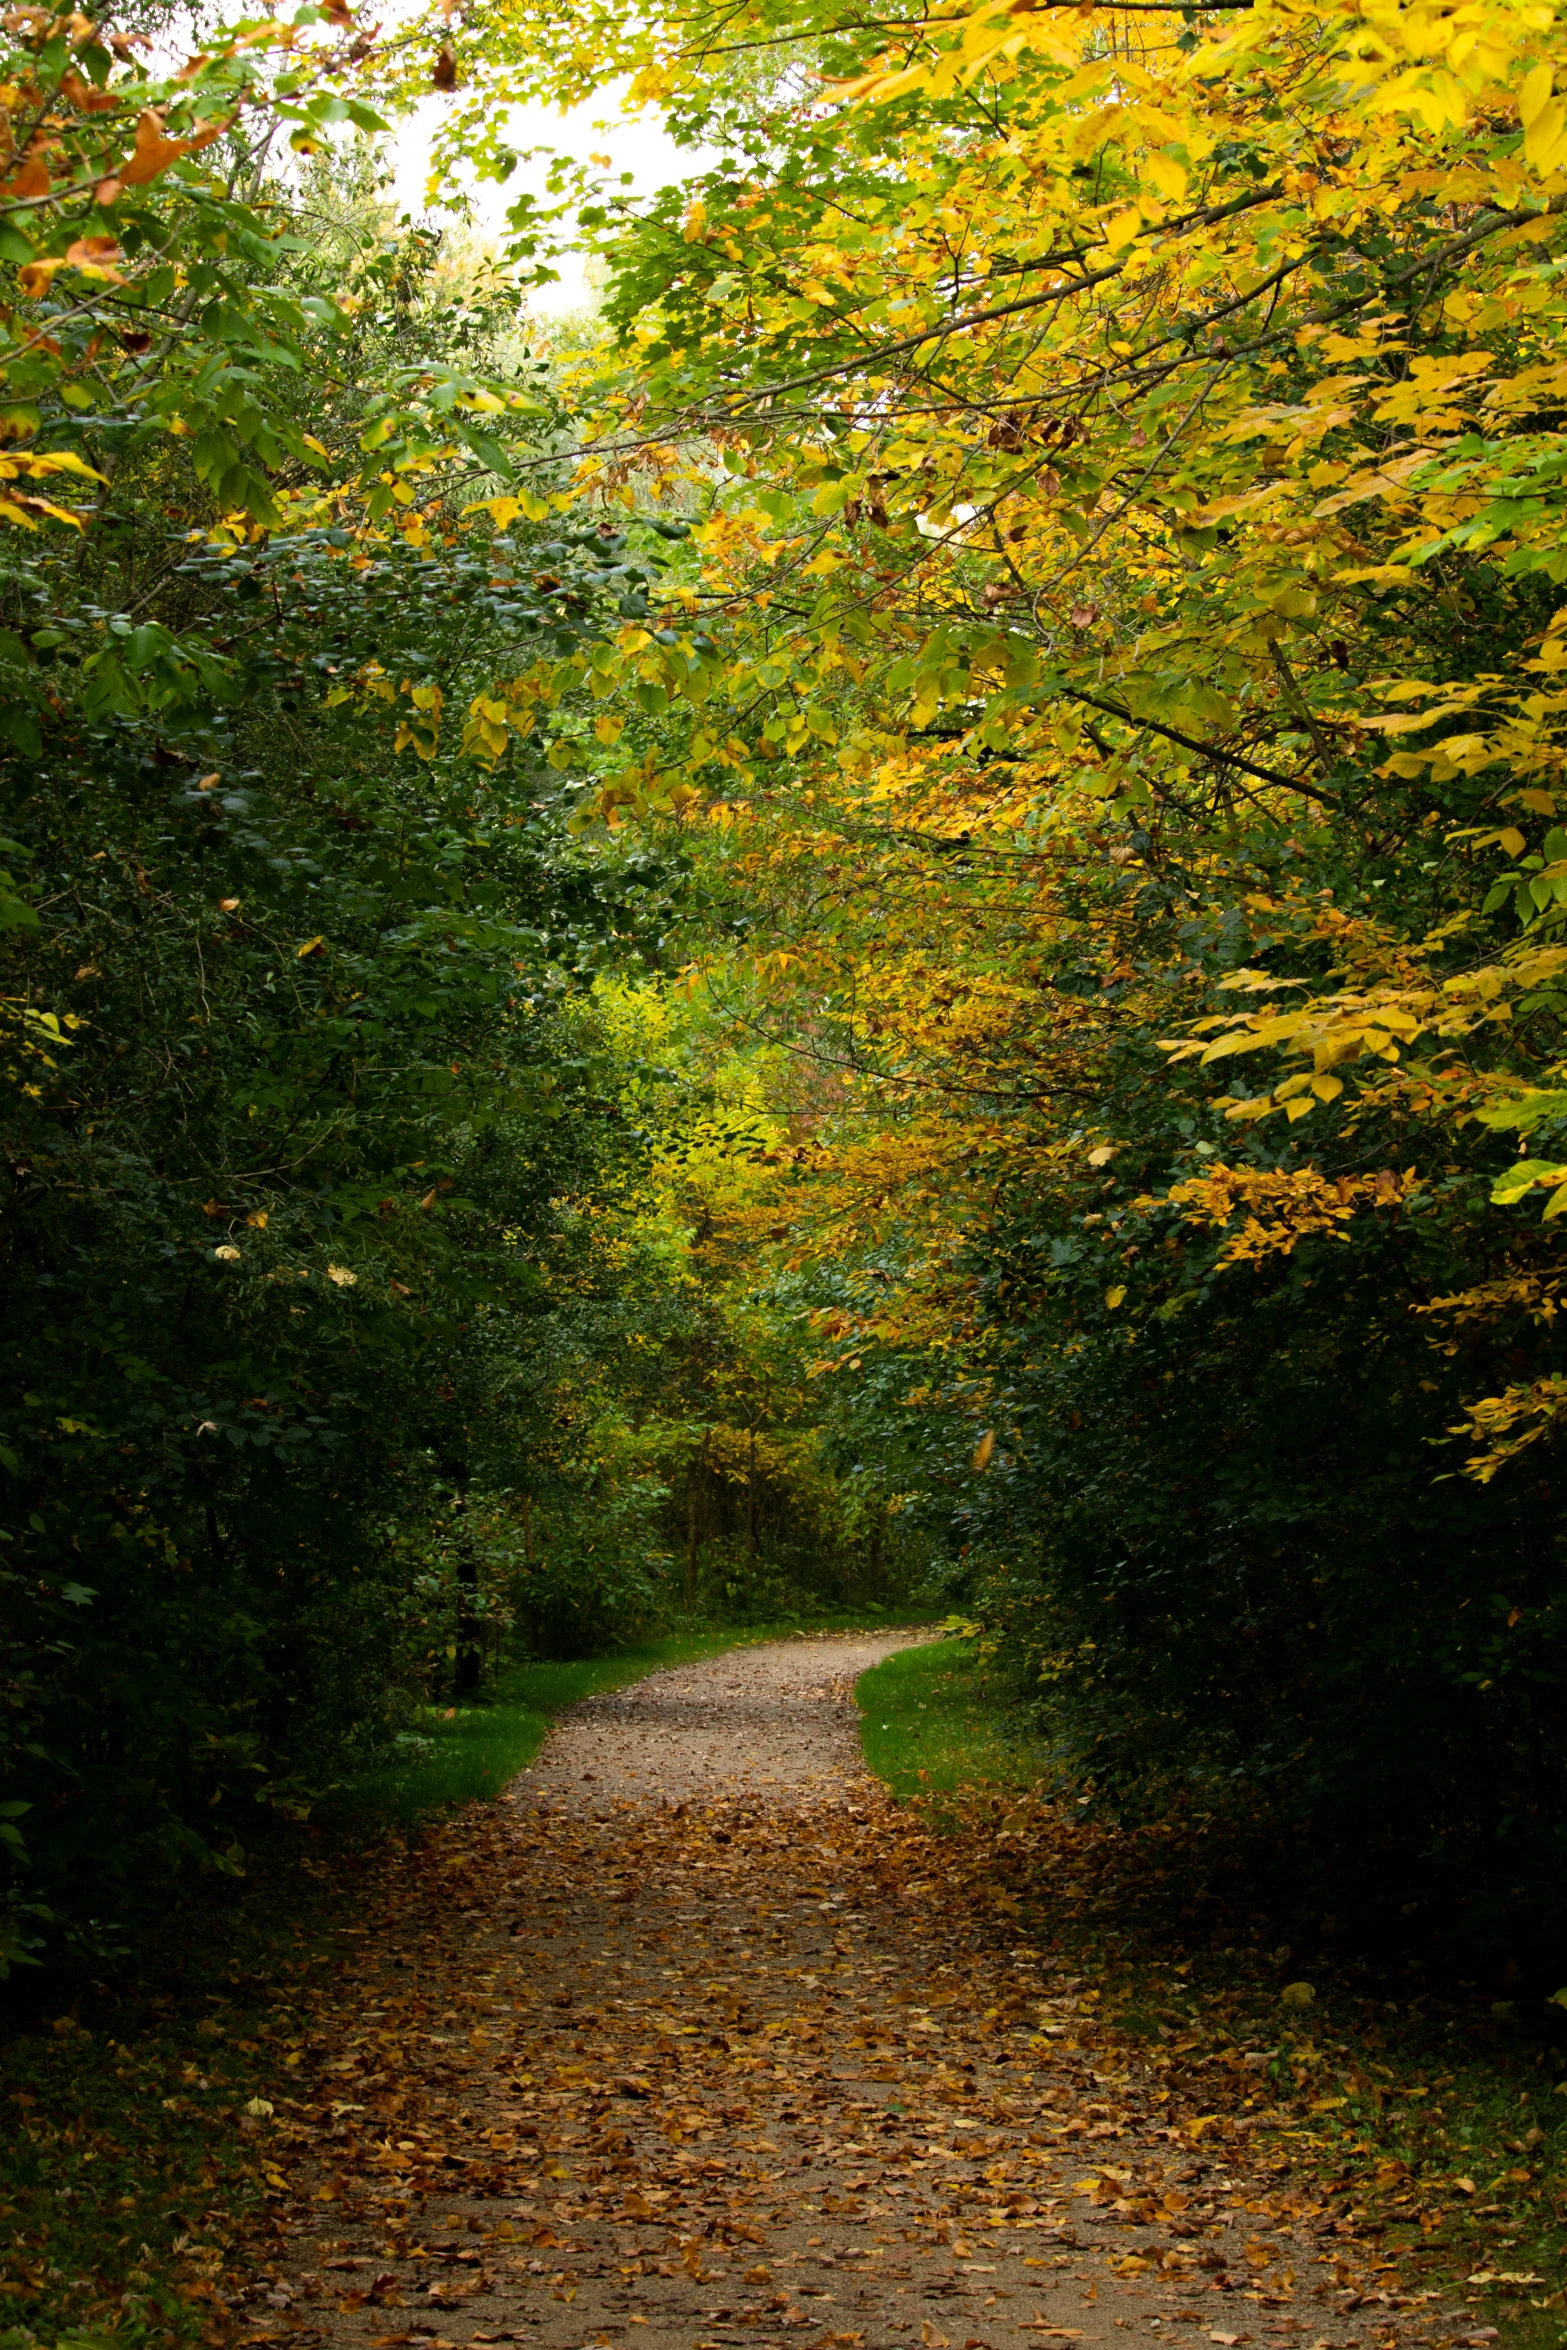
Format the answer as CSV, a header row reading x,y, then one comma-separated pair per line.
x,y
1120,231
1114,1296
1511,842
1544,140
1535,94
1168,176
312,946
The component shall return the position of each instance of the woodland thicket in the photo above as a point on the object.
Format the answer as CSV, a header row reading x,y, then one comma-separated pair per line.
x,y
892,909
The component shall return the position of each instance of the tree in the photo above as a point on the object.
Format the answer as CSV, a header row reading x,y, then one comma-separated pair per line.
x,y
1123,450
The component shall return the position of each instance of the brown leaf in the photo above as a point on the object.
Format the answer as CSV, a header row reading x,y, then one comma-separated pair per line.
x,y
444,72
155,150
31,180
88,99
98,254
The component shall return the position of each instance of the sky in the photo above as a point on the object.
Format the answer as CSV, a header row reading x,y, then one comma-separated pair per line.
x,y
636,142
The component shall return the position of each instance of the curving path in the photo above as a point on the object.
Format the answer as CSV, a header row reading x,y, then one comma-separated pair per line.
x,y
774,1722
679,2048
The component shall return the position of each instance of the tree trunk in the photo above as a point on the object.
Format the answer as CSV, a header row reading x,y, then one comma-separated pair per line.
x,y
750,1500
469,1657
691,1539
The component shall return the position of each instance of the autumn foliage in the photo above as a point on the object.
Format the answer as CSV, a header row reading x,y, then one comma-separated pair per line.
x,y
1029,625
1123,451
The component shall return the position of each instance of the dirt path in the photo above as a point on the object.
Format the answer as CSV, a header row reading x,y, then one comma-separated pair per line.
x,y
668,2050
776,1724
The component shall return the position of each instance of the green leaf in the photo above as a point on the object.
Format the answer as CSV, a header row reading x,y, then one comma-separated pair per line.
x,y
1509,1188
487,448
1526,1110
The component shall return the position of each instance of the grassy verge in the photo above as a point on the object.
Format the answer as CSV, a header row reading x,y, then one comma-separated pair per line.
x,y
1433,2113
464,1754
930,1725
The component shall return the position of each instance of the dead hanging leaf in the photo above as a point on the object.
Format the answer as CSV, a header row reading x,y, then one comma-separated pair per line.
x,y
155,150
32,180
85,98
96,256
444,72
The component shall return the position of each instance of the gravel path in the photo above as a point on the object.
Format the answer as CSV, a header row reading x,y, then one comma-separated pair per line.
x,y
681,2047
775,1722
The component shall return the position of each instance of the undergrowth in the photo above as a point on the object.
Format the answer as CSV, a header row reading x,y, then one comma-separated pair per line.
x,y
1431,2109
129,2165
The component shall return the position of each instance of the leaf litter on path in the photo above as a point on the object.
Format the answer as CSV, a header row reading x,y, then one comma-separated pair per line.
x,y
639,2056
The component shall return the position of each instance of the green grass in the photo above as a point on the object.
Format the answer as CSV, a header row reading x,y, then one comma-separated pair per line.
x,y
467,1753
930,1723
